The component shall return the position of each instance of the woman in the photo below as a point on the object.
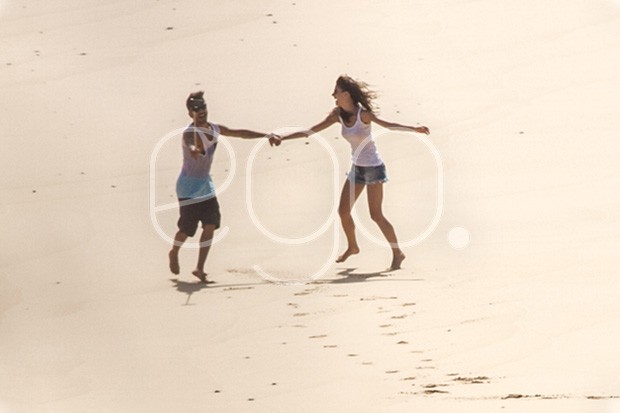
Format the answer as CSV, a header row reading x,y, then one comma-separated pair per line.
x,y
355,112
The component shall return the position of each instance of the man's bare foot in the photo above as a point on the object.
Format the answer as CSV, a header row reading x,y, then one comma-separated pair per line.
x,y
174,262
397,260
350,251
201,275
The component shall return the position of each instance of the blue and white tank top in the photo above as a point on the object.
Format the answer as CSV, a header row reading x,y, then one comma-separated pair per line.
x,y
195,178
363,148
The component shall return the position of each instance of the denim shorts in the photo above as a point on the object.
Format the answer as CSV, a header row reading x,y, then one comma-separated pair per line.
x,y
367,175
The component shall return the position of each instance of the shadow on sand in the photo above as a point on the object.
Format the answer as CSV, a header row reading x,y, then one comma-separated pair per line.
x,y
190,288
350,276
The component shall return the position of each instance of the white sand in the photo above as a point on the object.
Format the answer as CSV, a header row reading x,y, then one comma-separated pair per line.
x,y
522,102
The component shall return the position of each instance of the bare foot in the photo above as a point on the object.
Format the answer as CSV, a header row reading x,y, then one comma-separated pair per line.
x,y
201,275
350,251
397,260
174,262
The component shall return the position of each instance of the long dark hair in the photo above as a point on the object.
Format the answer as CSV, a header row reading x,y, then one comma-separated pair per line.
x,y
360,93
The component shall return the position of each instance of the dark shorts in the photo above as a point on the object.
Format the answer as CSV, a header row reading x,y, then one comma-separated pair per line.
x,y
367,175
207,212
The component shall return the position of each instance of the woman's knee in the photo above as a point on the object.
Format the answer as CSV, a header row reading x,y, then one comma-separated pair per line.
x,y
377,216
344,211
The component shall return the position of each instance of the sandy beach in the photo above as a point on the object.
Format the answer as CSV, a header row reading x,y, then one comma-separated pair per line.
x,y
507,211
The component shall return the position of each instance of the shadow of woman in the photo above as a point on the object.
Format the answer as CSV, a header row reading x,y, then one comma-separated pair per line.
x,y
352,277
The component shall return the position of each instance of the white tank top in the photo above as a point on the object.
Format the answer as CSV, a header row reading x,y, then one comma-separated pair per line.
x,y
195,178
363,148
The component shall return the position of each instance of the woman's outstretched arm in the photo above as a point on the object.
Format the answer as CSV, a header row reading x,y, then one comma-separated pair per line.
x,y
324,124
368,117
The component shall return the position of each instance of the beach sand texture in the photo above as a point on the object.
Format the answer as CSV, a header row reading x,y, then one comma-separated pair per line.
x,y
508,211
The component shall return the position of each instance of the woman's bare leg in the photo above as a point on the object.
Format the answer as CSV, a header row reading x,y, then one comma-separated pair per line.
x,y
350,193
375,200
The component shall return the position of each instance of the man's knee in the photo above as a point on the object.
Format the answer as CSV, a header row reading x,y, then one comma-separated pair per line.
x,y
208,231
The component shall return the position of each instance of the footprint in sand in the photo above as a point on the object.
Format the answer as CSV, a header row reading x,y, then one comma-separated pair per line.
x,y
427,367
435,391
237,288
514,396
433,386
305,292
472,380
241,271
373,298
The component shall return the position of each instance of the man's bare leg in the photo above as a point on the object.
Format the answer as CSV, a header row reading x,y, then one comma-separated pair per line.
x,y
205,245
173,255
350,193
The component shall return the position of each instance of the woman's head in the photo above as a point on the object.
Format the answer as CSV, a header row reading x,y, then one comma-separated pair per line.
x,y
358,91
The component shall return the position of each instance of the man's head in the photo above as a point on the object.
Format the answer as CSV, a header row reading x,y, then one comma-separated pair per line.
x,y
196,106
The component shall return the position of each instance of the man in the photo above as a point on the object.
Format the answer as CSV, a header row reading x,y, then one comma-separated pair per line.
x,y
195,188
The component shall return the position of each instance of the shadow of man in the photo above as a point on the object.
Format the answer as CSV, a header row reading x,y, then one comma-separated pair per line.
x,y
189,288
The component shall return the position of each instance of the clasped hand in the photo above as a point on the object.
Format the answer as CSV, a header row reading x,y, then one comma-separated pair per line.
x,y
274,139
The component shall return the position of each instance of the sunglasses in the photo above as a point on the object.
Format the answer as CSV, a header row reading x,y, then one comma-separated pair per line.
x,y
196,105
